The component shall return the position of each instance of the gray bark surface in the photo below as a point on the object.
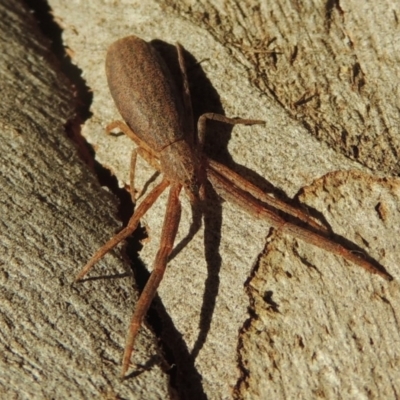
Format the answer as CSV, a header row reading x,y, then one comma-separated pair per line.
x,y
56,340
251,313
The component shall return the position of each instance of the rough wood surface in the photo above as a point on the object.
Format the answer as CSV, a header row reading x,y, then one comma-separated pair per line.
x,y
325,78
54,341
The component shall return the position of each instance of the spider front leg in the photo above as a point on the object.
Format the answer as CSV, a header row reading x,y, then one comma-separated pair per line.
x,y
255,207
243,184
169,231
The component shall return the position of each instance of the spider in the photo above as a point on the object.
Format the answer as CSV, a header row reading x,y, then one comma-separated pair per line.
x,y
160,121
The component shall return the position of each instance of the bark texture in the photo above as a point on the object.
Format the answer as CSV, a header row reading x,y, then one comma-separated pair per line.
x,y
54,341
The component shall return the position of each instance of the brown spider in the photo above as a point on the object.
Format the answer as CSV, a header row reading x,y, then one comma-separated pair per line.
x,y
160,121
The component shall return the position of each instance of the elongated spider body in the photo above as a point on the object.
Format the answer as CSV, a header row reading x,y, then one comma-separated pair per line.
x,y
160,121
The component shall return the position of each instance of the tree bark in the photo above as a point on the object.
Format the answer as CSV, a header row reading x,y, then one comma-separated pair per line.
x,y
57,339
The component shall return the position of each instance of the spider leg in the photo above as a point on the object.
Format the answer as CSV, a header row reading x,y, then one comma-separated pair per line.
x,y
132,170
128,230
243,184
124,128
143,150
201,124
170,228
187,101
256,208
150,160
